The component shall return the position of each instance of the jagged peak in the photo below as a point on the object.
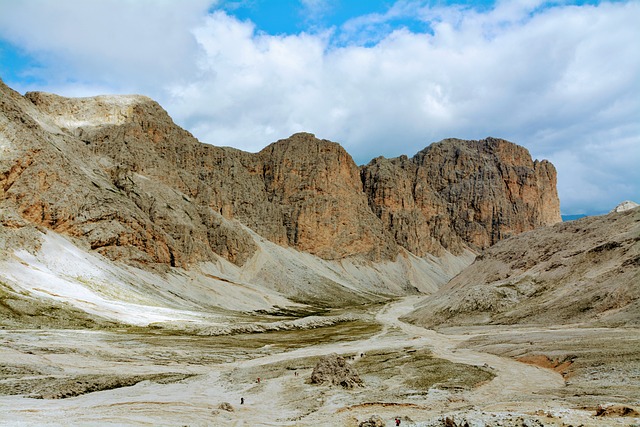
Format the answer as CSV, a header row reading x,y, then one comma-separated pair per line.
x,y
305,143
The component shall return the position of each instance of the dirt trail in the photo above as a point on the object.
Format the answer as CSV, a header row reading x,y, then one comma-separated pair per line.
x,y
514,383
283,398
514,380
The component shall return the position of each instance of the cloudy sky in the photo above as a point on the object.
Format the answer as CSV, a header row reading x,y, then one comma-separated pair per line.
x,y
382,77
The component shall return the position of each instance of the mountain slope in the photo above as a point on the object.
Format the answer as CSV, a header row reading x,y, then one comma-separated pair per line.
x,y
114,177
301,192
587,270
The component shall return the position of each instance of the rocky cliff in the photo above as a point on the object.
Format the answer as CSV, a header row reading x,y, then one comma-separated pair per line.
x,y
117,173
455,194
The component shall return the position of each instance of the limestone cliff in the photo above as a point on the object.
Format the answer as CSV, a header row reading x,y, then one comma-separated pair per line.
x,y
325,212
301,192
455,194
117,173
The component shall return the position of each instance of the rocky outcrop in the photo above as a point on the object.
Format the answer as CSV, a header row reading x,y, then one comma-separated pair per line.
x,y
87,180
625,206
458,193
373,421
335,370
616,411
301,192
324,210
117,173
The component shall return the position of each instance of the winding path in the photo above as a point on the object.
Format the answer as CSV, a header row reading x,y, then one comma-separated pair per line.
x,y
285,399
513,381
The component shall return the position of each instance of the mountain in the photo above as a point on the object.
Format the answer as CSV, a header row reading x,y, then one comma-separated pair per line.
x,y
582,271
145,207
456,194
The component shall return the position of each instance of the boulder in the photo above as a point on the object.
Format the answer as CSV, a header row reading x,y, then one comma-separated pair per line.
x,y
335,370
374,421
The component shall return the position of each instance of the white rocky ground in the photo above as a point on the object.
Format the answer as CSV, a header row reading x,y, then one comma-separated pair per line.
x,y
55,268
164,356
225,369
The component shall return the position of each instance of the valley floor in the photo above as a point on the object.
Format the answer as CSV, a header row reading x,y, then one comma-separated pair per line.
x,y
485,376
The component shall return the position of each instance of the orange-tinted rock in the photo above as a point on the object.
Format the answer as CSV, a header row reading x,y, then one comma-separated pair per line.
x,y
118,174
457,193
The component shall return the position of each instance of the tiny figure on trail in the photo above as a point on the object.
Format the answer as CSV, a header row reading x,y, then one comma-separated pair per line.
x,y
242,400
397,422
258,380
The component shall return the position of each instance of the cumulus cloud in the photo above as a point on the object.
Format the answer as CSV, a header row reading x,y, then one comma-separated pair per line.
x,y
560,80
120,44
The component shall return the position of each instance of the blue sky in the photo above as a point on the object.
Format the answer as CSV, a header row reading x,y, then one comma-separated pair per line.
x,y
381,77
290,17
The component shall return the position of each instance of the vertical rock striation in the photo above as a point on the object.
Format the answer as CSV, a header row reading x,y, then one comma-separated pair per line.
x,y
458,193
119,174
324,210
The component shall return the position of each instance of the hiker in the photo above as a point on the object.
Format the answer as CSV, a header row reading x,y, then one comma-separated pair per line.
x,y
397,422
258,381
242,400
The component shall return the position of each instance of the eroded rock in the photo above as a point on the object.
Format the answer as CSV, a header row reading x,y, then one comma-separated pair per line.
x,y
373,421
335,370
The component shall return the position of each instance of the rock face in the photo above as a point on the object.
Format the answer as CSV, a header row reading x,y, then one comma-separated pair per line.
x,y
118,174
625,206
585,270
373,421
324,210
141,202
335,370
457,193
616,411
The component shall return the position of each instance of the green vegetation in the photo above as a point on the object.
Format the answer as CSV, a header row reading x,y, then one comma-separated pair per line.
x,y
21,310
50,387
418,371
274,340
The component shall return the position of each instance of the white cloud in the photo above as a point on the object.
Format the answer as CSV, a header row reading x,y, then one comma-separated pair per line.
x,y
562,81
316,7
135,43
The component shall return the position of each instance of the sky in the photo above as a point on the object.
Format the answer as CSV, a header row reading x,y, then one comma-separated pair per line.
x,y
381,77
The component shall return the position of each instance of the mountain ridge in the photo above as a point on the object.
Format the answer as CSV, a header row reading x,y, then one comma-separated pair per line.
x,y
583,271
121,179
288,200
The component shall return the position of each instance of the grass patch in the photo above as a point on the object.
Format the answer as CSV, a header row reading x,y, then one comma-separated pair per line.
x,y
164,346
286,340
50,387
418,370
20,310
